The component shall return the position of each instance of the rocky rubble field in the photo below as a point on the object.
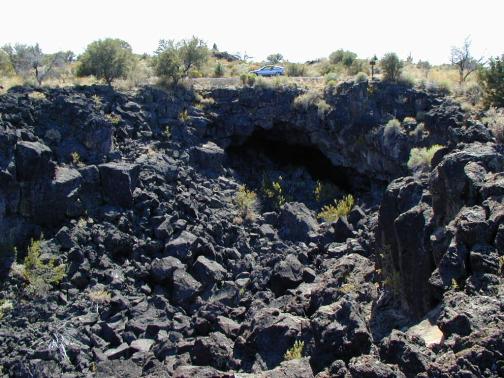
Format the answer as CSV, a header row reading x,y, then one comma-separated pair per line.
x,y
124,251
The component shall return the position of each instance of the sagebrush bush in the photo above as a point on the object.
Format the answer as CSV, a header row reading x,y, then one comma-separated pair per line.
x,y
331,78
391,66
494,119
361,77
248,79
331,213
295,70
420,158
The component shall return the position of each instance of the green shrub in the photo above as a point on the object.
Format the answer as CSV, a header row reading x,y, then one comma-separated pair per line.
x,y
41,275
184,116
494,119
391,277
358,65
274,191
407,80
420,158
331,213
274,58
263,83
76,159
248,79
5,307
245,200
295,70
393,127
312,98
219,70
343,57
361,77
473,93
296,352
106,59
331,79
114,119
391,66
324,191
176,60
492,81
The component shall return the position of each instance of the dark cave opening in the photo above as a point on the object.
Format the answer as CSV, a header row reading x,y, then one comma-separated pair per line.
x,y
287,151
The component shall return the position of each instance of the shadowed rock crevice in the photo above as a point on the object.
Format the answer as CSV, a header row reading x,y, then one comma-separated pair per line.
x,y
289,152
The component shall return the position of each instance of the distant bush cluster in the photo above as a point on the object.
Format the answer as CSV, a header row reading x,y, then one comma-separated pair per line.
x,y
472,81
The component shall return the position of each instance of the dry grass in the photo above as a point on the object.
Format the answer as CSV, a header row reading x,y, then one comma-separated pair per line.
x,y
99,296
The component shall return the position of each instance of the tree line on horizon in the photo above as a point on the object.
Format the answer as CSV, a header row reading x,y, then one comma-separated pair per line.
x,y
110,59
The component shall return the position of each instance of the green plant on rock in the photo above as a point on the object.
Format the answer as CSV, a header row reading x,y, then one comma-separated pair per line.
x,y
183,116
325,191
494,119
331,213
248,79
296,352
501,265
5,307
97,100
219,70
76,159
420,158
41,275
245,200
391,277
274,191
114,119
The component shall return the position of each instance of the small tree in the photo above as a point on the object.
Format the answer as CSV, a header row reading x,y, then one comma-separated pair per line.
x,y
425,66
391,66
193,53
492,81
6,68
173,60
27,60
342,56
274,58
462,59
372,63
106,59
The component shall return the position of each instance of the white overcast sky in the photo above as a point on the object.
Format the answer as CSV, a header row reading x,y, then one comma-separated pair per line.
x,y
300,30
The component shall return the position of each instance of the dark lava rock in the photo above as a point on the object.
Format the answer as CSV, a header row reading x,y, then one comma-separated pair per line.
x,y
296,222
118,181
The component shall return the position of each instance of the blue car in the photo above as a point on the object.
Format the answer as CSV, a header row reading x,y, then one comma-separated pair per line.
x,y
269,71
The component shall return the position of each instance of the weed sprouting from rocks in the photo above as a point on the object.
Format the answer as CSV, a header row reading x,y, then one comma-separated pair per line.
x,y
114,119
296,352
420,158
331,213
5,306
245,200
41,275
274,191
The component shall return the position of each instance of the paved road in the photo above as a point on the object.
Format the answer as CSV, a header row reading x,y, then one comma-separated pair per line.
x,y
222,82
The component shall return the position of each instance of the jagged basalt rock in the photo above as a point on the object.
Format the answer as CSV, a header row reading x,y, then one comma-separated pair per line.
x,y
167,273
